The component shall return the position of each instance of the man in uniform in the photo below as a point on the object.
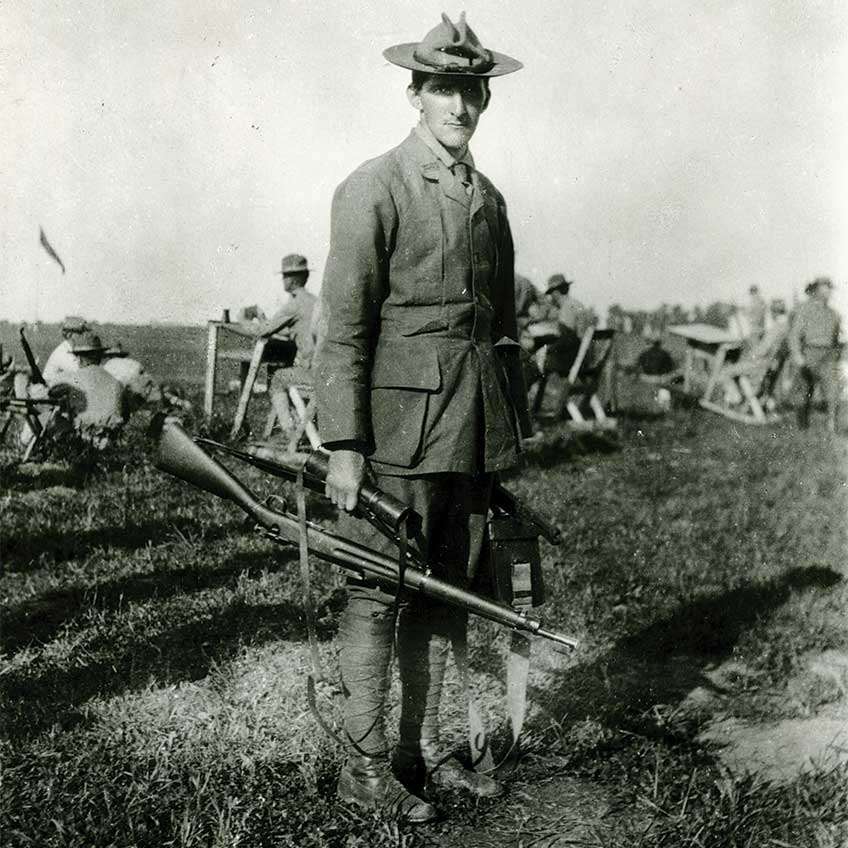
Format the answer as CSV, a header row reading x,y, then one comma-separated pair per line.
x,y
418,379
295,315
63,358
93,398
298,317
571,319
814,345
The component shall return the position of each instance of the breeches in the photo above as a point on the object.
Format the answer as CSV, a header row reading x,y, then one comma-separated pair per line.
x,y
453,510
822,369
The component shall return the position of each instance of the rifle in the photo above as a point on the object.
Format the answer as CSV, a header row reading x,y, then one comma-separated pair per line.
x,y
35,371
380,508
184,458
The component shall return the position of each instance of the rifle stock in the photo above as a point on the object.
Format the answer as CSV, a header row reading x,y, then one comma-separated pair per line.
x,y
180,456
383,510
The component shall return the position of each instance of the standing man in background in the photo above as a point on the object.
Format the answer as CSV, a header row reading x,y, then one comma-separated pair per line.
x,y
815,346
756,314
419,383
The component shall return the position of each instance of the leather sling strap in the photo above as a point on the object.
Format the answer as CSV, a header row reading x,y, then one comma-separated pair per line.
x,y
517,671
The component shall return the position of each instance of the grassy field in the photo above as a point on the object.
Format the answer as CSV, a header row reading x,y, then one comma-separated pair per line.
x,y
154,650
170,352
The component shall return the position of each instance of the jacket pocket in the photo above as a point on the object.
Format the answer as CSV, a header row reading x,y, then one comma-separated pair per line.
x,y
403,377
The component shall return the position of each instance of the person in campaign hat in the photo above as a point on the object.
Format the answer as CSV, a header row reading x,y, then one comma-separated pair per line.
x,y
419,384
63,357
571,320
93,400
814,342
295,316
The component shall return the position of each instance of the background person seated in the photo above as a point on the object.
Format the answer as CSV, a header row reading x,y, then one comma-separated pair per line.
x,y
655,360
571,320
62,358
93,400
140,389
294,316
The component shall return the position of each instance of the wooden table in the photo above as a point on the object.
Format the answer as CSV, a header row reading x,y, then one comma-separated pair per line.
x,y
707,349
250,360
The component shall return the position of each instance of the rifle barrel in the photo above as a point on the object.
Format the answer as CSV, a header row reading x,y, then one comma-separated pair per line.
x,y
184,458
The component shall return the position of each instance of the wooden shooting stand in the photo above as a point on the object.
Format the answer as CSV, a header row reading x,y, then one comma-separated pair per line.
x,y
250,363
292,393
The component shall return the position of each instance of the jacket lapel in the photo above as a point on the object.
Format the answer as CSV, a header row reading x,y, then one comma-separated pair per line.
x,y
433,170
483,200
452,187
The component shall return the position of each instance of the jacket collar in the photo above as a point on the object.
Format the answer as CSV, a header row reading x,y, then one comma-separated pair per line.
x,y
435,163
439,150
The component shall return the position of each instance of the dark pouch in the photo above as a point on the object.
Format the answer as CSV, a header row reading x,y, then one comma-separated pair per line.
x,y
515,563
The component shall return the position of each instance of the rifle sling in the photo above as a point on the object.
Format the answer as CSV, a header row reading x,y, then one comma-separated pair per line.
x,y
517,672
317,675
306,578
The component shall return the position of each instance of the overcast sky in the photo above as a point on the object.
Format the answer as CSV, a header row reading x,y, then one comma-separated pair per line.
x,y
174,151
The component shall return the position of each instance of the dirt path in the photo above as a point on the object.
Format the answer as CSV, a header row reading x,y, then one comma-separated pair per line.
x,y
542,812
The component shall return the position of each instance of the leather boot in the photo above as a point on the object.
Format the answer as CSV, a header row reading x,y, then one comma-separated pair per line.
x,y
452,774
428,772
368,782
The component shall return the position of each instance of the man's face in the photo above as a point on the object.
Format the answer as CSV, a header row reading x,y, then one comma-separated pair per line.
x,y
295,280
451,106
823,293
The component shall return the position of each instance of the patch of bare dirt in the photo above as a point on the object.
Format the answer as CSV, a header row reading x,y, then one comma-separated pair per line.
x,y
780,751
551,812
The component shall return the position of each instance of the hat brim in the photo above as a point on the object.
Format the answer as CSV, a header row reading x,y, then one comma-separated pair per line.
x,y
403,56
294,271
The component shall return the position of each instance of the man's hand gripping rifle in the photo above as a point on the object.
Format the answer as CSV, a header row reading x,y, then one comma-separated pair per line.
x,y
185,458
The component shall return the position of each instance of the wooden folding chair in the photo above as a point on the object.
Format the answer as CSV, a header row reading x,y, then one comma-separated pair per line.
x,y
257,360
743,390
293,407
591,373
591,369
35,417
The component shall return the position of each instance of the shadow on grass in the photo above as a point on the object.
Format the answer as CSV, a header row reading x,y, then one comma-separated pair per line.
x,y
557,448
664,661
34,702
24,553
41,618
31,477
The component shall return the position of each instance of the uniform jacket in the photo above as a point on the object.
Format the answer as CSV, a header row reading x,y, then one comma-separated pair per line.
x,y
61,359
296,315
419,364
814,324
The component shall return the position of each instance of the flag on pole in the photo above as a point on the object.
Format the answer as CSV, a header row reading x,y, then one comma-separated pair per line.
x,y
49,248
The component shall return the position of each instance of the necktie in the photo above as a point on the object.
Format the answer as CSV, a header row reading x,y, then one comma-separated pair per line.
x,y
463,173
